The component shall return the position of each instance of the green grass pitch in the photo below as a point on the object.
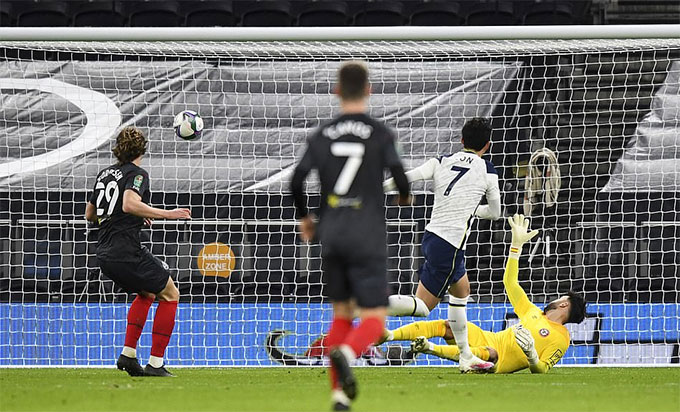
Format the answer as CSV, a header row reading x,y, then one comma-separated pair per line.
x,y
306,389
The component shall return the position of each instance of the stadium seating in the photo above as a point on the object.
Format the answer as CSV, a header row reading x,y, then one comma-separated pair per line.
x,y
550,13
208,14
6,16
97,14
267,14
380,13
42,14
320,13
324,13
439,13
153,14
492,14
640,12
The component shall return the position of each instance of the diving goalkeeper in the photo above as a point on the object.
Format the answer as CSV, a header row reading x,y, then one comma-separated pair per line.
x,y
538,342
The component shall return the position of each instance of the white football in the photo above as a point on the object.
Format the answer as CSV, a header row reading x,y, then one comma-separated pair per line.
x,y
188,125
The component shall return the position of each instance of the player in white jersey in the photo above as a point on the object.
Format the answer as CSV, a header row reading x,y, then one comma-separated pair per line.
x,y
460,182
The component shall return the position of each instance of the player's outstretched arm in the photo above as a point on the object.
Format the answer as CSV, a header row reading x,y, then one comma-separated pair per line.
x,y
132,204
520,235
402,184
492,210
422,172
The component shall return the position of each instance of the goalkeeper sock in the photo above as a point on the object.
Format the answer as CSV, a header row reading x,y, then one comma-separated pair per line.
x,y
163,324
405,305
336,335
452,352
458,324
136,318
429,329
446,351
368,333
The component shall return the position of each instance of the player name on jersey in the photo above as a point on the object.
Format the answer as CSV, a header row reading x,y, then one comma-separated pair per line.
x,y
348,127
116,173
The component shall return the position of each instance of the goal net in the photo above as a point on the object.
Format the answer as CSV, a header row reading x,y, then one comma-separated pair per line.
x,y
250,290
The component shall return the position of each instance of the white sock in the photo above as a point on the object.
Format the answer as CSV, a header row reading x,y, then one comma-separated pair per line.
x,y
155,361
406,305
348,352
339,396
458,324
129,352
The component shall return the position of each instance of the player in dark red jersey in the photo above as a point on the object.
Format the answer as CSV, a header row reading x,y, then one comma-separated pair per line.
x,y
119,205
351,153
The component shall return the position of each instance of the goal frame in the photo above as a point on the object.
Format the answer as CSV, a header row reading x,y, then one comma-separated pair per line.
x,y
412,33
634,31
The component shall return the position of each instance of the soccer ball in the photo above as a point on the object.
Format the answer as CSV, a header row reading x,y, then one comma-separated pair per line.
x,y
188,125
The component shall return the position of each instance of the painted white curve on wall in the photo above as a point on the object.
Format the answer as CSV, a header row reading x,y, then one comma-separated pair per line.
x,y
103,118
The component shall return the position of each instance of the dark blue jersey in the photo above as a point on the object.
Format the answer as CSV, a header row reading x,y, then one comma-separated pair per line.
x,y
119,231
350,154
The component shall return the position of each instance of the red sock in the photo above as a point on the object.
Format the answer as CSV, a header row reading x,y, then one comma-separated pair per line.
x,y
136,319
163,324
339,330
368,332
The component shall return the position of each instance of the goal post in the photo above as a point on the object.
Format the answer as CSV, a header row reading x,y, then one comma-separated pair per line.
x,y
399,33
603,99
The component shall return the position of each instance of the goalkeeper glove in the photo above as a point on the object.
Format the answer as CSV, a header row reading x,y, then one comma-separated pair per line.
x,y
421,345
526,343
519,226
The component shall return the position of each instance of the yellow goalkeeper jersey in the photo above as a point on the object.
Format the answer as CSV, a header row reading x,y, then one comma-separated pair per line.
x,y
551,339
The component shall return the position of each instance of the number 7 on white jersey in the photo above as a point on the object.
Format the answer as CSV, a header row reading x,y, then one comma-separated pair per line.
x,y
461,171
354,152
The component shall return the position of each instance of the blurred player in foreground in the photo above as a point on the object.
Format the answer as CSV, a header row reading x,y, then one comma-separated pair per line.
x,y
460,181
119,205
350,154
538,342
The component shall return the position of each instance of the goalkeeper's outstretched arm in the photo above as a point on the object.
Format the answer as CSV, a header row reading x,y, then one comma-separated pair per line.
x,y
518,298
